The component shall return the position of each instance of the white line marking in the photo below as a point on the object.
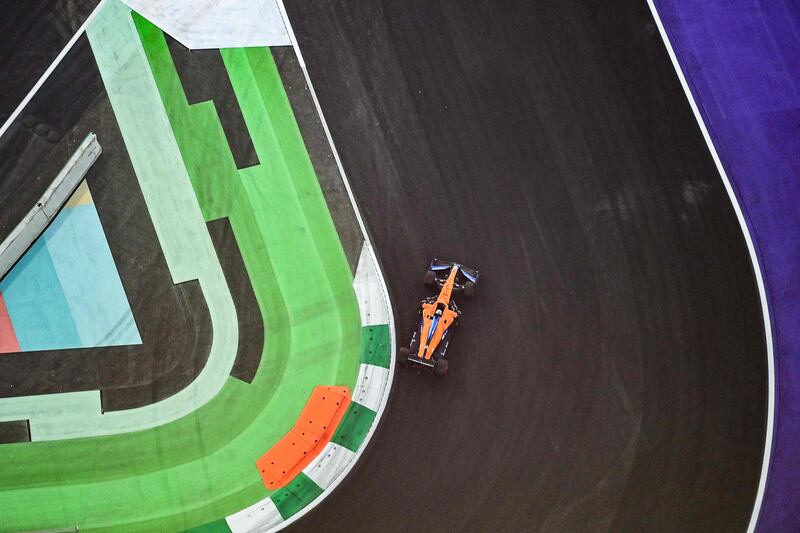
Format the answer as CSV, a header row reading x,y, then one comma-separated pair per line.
x,y
374,310
260,516
329,464
756,267
371,386
50,69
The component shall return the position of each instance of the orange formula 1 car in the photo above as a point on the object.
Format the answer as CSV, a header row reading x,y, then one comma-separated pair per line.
x,y
438,315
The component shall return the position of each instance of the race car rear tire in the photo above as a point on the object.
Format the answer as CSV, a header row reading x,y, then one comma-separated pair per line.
x,y
402,356
440,369
469,290
430,278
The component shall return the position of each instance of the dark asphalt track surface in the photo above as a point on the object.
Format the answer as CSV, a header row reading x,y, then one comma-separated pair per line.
x,y
31,36
611,373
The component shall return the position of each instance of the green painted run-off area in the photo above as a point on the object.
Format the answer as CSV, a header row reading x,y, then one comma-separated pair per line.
x,y
201,467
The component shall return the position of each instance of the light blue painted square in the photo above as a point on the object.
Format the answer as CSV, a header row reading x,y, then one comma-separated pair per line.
x,y
89,279
36,303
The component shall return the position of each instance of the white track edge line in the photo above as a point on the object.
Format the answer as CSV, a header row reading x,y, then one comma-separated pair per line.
x,y
756,267
305,510
38,85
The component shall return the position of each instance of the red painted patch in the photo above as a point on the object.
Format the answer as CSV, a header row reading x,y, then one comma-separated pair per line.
x,y
8,339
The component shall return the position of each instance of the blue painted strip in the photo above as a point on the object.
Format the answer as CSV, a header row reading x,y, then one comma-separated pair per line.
x,y
742,62
36,303
89,278
433,328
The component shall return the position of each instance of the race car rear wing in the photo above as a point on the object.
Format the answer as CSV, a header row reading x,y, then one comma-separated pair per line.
x,y
465,274
416,359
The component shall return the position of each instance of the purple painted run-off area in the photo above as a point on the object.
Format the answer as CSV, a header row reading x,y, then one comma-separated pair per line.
x,y
741,59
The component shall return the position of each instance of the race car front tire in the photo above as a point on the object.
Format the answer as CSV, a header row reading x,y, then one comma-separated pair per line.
x,y
469,290
430,278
